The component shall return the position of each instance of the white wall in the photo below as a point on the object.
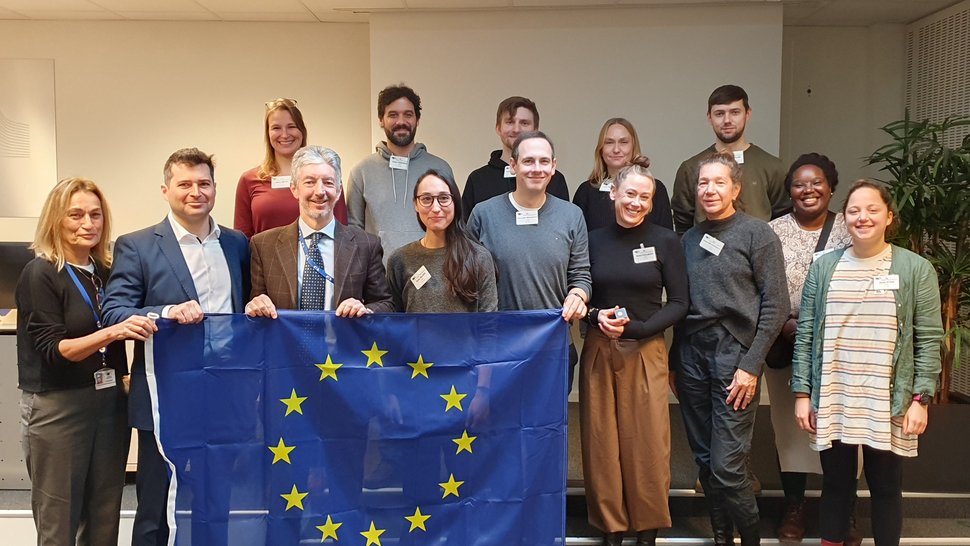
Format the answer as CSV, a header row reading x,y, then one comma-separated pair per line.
x,y
857,83
655,66
128,94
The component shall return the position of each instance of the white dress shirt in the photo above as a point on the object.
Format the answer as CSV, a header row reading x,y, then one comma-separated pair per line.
x,y
208,266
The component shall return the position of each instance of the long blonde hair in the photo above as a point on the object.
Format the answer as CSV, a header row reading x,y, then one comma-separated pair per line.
x,y
600,172
48,243
269,167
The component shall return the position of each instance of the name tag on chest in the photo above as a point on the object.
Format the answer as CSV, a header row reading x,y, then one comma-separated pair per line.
x,y
420,277
280,182
399,162
508,172
886,282
711,244
644,255
606,186
527,218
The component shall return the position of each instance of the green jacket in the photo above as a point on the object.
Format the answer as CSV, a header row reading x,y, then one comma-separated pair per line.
x,y
916,358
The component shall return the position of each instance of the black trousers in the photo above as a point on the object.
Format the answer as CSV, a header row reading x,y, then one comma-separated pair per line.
x,y
884,474
719,436
150,527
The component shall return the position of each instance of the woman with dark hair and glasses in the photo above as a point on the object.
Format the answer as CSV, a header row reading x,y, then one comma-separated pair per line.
x,y
446,271
71,370
263,198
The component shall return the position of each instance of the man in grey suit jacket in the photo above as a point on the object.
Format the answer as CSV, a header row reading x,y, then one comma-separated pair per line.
x,y
316,263
181,268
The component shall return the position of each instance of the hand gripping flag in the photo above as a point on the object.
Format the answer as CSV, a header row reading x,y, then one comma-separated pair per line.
x,y
385,430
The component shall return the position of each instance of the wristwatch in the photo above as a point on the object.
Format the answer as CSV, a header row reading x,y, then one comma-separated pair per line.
x,y
923,398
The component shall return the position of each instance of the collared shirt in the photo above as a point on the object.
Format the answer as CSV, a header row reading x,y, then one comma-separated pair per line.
x,y
326,246
208,266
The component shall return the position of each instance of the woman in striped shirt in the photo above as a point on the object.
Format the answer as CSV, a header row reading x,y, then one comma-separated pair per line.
x,y
867,357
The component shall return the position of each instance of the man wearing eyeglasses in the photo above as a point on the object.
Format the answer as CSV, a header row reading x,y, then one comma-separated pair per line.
x,y
539,242
380,187
316,263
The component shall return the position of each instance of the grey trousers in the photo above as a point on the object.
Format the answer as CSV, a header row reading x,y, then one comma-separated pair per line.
x,y
76,445
719,436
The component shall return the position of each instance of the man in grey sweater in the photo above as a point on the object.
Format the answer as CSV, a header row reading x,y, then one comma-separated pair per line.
x,y
539,244
381,186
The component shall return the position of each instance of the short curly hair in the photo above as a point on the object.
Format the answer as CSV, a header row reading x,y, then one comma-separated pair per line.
x,y
818,160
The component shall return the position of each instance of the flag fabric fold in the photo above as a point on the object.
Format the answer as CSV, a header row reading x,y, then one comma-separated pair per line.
x,y
389,429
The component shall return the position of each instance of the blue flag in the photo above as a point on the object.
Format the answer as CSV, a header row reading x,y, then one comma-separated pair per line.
x,y
384,430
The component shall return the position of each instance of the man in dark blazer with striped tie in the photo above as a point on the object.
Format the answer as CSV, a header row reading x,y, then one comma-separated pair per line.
x,y
181,269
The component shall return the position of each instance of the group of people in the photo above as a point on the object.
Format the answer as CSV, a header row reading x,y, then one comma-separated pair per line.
x,y
851,322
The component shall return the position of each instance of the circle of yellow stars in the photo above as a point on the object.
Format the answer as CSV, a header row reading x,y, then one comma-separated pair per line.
x,y
328,370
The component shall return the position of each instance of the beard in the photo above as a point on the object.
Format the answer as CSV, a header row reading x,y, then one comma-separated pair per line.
x,y
731,139
404,140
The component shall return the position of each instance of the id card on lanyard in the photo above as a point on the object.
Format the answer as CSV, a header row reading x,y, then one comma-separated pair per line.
x,y
105,377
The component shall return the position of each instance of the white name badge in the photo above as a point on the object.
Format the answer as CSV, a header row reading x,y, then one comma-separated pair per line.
x,y
711,244
280,182
886,282
421,277
104,379
508,172
399,162
643,255
739,157
606,185
821,253
527,218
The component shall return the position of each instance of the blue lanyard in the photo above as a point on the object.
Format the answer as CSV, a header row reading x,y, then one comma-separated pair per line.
x,y
87,300
317,267
84,294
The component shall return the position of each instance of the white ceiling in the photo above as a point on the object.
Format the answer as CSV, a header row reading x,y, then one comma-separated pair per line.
x,y
797,12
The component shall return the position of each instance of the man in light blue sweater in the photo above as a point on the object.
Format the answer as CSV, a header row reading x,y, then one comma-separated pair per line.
x,y
379,194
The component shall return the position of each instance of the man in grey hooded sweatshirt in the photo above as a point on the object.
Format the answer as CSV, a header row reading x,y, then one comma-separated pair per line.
x,y
379,196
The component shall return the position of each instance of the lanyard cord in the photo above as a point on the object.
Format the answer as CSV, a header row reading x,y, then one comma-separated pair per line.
x,y
87,300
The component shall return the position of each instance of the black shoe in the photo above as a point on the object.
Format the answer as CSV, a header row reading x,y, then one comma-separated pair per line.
x,y
750,535
724,537
647,538
613,539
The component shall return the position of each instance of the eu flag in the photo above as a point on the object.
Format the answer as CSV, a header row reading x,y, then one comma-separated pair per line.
x,y
384,430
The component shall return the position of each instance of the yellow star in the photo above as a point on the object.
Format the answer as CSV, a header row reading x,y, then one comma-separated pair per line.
x,y
451,486
294,498
281,452
373,535
374,355
420,367
454,399
464,443
293,403
417,520
329,529
328,369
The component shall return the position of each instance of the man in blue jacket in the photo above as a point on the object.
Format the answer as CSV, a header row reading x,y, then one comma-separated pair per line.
x,y
181,268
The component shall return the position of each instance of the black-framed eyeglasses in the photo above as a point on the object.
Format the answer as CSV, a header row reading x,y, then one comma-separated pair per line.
x,y
426,199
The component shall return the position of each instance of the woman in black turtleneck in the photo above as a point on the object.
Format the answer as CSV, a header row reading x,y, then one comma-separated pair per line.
x,y
623,375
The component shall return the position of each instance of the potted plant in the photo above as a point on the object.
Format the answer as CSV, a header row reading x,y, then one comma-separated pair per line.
x,y
929,165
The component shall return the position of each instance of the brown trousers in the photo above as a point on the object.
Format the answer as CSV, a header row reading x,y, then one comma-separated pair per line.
x,y
625,425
